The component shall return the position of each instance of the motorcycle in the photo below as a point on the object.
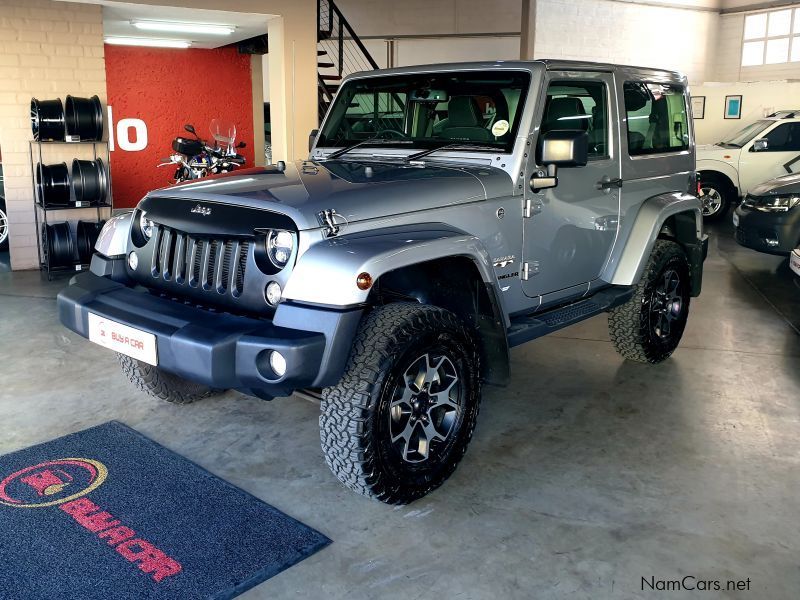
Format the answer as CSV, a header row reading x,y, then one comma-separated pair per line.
x,y
194,158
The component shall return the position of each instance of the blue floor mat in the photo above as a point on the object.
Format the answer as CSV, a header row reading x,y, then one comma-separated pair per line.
x,y
107,513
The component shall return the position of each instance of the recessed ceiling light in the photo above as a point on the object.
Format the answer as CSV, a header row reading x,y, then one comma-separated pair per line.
x,y
153,43
184,27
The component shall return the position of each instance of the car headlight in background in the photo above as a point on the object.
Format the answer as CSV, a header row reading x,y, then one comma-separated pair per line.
x,y
145,225
280,244
772,203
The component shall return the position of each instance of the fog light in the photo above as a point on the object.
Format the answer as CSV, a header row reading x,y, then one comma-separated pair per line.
x,y
278,363
272,293
133,261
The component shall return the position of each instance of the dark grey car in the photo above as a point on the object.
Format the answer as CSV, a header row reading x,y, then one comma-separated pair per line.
x,y
768,219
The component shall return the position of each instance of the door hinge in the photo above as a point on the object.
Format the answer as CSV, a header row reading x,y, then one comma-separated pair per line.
x,y
531,206
529,269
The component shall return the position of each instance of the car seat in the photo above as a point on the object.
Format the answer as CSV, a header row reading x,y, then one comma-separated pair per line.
x,y
464,121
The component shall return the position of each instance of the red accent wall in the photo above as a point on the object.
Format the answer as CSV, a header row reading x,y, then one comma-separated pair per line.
x,y
167,88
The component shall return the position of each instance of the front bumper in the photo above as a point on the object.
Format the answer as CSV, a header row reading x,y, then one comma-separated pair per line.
x,y
217,349
773,233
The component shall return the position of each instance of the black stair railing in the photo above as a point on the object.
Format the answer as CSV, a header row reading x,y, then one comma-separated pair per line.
x,y
339,52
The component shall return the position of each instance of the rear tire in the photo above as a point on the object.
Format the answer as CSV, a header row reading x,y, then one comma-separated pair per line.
x,y
649,326
162,385
399,421
717,195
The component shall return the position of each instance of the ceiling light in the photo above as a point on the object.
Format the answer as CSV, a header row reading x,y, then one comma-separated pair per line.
x,y
184,27
153,43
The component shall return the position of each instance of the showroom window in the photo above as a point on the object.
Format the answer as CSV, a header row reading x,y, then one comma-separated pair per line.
x,y
656,118
771,38
579,105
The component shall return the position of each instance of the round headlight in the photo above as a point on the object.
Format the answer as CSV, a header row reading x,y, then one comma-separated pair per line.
x,y
146,225
280,244
273,293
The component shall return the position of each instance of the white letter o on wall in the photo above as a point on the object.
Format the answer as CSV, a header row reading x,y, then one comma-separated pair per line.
x,y
124,142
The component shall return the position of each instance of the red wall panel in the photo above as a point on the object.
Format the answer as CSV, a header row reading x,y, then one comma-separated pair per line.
x,y
167,88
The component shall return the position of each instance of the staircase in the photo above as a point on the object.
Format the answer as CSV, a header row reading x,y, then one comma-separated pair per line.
x,y
339,53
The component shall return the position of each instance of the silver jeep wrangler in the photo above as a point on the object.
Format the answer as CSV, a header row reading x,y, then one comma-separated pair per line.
x,y
446,214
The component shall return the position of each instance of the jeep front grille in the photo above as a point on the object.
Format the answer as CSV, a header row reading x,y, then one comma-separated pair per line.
x,y
209,265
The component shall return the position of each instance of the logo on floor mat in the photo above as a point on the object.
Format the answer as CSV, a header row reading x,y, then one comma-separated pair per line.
x,y
53,482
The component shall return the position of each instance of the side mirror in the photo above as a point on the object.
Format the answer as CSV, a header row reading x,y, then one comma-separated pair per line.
x,y
190,129
760,145
312,138
241,145
563,148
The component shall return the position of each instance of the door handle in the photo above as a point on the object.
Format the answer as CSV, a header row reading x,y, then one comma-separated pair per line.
x,y
606,183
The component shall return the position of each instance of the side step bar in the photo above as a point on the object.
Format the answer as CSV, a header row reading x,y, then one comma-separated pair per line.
x,y
529,327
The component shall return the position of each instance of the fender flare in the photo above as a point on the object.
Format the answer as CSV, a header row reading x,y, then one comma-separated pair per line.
x,y
626,266
721,167
326,273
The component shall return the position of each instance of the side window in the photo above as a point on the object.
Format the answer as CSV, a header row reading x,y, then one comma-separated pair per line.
x,y
784,138
657,118
579,105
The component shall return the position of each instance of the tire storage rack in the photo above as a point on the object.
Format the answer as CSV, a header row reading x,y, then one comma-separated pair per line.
x,y
64,246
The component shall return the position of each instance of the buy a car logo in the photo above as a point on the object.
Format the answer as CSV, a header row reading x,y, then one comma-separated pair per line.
x,y
53,482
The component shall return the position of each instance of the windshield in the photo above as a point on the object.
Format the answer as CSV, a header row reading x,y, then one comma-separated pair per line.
x,y
223,132
429,110
741,137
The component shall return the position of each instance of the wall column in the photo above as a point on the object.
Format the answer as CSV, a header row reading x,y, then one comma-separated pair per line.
x,y
293,80
528,30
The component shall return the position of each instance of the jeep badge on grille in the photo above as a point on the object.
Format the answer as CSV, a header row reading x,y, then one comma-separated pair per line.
x,y
201,210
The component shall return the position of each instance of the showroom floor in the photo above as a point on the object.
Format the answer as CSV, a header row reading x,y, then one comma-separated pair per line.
x,y
585,475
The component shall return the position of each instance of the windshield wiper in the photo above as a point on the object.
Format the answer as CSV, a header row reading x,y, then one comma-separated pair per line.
x,y
372,140
459,146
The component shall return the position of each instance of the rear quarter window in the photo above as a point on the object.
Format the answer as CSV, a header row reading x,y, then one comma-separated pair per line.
x,y
657,118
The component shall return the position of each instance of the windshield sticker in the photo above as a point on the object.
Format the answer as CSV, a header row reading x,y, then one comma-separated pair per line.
x,y
500,128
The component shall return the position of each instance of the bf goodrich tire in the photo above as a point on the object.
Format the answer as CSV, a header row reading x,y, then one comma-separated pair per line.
x,y
399,421
649,326
160,384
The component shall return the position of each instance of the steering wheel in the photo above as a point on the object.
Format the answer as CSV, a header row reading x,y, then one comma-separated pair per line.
x,y
394,132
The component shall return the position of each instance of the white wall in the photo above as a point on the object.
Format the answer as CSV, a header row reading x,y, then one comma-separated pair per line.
x,y
600,30
758,100
627,33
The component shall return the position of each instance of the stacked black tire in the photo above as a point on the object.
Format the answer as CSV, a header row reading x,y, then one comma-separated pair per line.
x,y
61,248
76,119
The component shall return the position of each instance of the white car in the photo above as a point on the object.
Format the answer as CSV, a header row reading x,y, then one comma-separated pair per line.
x,y
762,150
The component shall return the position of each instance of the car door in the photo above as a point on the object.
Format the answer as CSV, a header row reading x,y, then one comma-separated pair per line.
x,y
569,230
782,149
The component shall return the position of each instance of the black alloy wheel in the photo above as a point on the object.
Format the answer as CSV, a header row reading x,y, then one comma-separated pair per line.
x,y
83,117
89,181
47,120
53,184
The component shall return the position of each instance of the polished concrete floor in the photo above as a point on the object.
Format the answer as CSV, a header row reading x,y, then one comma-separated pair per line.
x,y
586,475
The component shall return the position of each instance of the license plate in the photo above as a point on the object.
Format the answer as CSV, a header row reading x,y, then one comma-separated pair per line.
x,y
794,261
735,220
123,339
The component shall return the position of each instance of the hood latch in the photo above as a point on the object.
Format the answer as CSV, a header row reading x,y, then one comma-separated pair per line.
x,y
328,219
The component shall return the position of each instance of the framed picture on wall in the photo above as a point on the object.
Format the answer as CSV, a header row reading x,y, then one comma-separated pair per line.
x,y
733,107
698,107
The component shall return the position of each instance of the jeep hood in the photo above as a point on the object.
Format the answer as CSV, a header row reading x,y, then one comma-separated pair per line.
x,y
714,152
357,190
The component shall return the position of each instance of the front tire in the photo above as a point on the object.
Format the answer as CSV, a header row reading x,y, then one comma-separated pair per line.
x,y
162,385
649,326
716,195
3,224
399,421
